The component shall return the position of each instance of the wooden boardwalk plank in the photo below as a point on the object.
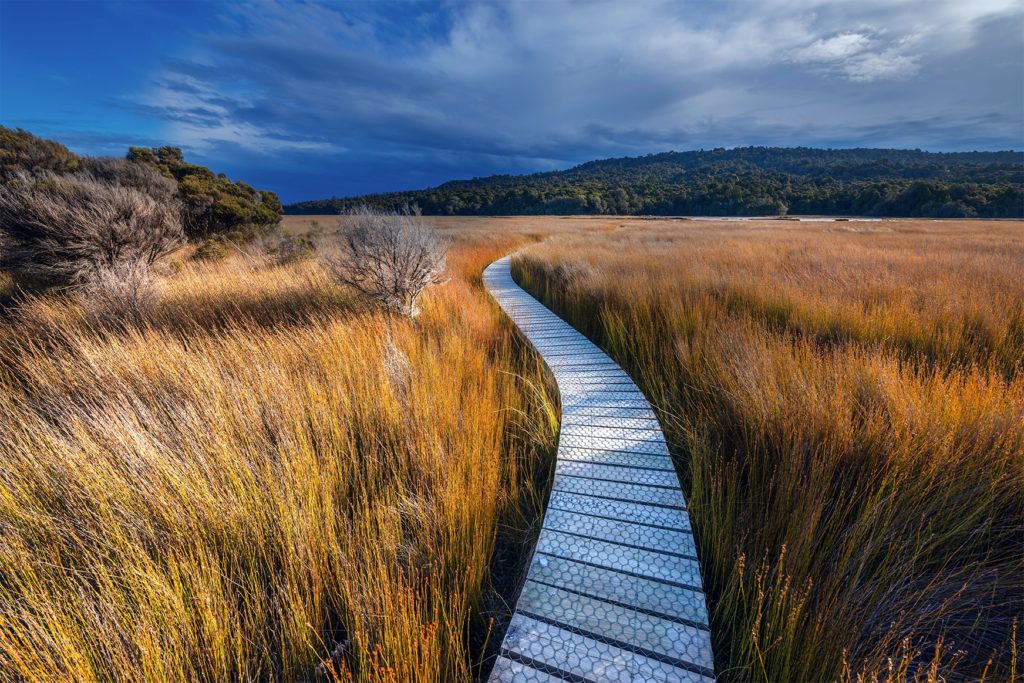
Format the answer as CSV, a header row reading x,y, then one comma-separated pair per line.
x,y
576,656
613,591
628,511
638,592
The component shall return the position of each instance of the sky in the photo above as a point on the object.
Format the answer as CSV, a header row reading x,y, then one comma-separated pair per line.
x,y
336,99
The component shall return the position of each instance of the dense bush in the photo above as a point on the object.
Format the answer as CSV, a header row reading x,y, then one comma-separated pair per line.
x,y
71,230
213,204
213,248
23,151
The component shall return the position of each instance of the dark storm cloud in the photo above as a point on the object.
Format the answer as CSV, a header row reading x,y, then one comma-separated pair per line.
x,y
356,98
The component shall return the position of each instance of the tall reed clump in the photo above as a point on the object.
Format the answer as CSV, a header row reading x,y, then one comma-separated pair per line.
x,y
847,412
262,480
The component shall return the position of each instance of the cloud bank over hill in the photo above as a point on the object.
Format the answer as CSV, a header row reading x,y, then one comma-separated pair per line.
x,y
389,96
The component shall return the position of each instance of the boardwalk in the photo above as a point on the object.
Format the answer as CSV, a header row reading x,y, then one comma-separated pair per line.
x,y
613,591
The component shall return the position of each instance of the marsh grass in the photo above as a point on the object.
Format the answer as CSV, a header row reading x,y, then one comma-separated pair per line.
x,y
847,412
264,480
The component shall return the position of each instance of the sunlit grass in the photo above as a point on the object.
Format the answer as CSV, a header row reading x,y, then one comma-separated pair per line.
x,y
847,409
265,480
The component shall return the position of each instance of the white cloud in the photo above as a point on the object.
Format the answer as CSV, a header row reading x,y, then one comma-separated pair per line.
x,y
860,56
869,66
556,82
835,48
202,116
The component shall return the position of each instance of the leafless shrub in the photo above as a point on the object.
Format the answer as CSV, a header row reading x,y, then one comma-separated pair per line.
x,y
70,230
390,256
133,174
125,292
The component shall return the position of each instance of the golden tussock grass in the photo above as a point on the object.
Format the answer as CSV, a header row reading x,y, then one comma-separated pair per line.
x,y
263,480
266,480
846,404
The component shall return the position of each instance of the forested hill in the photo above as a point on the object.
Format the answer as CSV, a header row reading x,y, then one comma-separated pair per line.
x,y
745,181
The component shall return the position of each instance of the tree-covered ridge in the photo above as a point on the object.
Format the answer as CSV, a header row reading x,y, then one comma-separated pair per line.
x,y
744,181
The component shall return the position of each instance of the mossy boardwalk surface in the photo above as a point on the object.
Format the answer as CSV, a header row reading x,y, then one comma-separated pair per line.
x,y
613,591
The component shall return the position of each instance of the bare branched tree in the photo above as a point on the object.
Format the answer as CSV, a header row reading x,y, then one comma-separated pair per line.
x,y
72,230
390,256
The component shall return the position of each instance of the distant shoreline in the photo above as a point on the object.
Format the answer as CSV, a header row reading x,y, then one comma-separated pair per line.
x,y
796,218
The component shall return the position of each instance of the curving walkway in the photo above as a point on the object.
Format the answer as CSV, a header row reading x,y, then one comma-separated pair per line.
x,y
613,591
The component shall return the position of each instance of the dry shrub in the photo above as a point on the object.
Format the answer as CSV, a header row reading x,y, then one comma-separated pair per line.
x,y
132,174
390,257
127,292
69,230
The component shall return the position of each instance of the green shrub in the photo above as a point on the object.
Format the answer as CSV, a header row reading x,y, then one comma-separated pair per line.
x,y
23,151
292,248
213,248
213,204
